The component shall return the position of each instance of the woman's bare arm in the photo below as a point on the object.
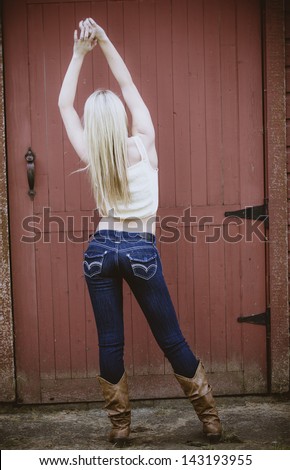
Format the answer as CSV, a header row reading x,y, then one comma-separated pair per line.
x,y
70,117
141,119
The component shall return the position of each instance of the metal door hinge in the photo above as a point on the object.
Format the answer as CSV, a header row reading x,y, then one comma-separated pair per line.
x,y
253,213
257,319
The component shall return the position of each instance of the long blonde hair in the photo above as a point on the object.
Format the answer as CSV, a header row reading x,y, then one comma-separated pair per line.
x,y
106,134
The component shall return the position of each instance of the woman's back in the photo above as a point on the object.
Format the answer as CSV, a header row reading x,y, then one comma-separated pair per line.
x,y
142,176
133,154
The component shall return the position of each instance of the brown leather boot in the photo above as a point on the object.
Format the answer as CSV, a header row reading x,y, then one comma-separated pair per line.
x,y
199,393
118,408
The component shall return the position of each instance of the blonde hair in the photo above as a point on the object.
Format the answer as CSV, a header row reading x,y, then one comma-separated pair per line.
x,y
106,134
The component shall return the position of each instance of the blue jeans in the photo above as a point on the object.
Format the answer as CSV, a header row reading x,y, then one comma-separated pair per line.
x,y
111,257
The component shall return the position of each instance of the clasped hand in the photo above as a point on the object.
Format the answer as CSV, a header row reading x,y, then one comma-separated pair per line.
x,y
90,34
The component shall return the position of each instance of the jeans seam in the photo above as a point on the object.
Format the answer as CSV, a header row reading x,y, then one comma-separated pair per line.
x,y
134,248
106,246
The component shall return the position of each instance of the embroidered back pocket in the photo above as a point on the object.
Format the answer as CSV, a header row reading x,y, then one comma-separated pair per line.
x,y
93,263
143,263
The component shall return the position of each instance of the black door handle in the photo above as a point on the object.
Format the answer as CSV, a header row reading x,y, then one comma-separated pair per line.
x,y
30,157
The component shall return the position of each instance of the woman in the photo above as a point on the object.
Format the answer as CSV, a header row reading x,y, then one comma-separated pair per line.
x,y
124,177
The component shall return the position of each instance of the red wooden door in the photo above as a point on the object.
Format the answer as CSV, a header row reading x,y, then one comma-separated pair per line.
x,y
199,66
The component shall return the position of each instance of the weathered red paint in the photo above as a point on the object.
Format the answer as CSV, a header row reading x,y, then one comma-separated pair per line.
x,y
199,67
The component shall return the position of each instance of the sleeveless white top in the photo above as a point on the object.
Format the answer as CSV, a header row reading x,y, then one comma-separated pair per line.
x,y
143,188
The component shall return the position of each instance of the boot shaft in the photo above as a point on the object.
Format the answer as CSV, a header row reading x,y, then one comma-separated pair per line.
x,y
199,392
116,395
118,408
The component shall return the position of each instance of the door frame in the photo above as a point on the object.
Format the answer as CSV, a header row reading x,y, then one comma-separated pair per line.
x,y
276,190
19,96
275,187
7,370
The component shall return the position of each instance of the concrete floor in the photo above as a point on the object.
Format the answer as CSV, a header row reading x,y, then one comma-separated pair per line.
x,y
250,422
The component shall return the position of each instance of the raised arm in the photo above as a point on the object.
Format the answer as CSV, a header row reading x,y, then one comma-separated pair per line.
x,y
70,117
141,119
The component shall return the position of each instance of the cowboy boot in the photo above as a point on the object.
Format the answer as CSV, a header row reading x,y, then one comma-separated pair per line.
x,y
118,408
199,393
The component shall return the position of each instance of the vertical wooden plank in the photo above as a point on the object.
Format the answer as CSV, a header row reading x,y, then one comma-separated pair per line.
x,y
213,101
85,85
197,103
253,302
116,34
181,102
148,57
165,128
71,160
229,104
53,142
132,54
37,75
250,98
186,292
45,310
60,303
201,300
217,302
231,233
85,88
76,310
252,186
22,255
52,331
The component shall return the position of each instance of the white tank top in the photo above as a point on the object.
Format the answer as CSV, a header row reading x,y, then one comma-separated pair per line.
x,y
143,187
